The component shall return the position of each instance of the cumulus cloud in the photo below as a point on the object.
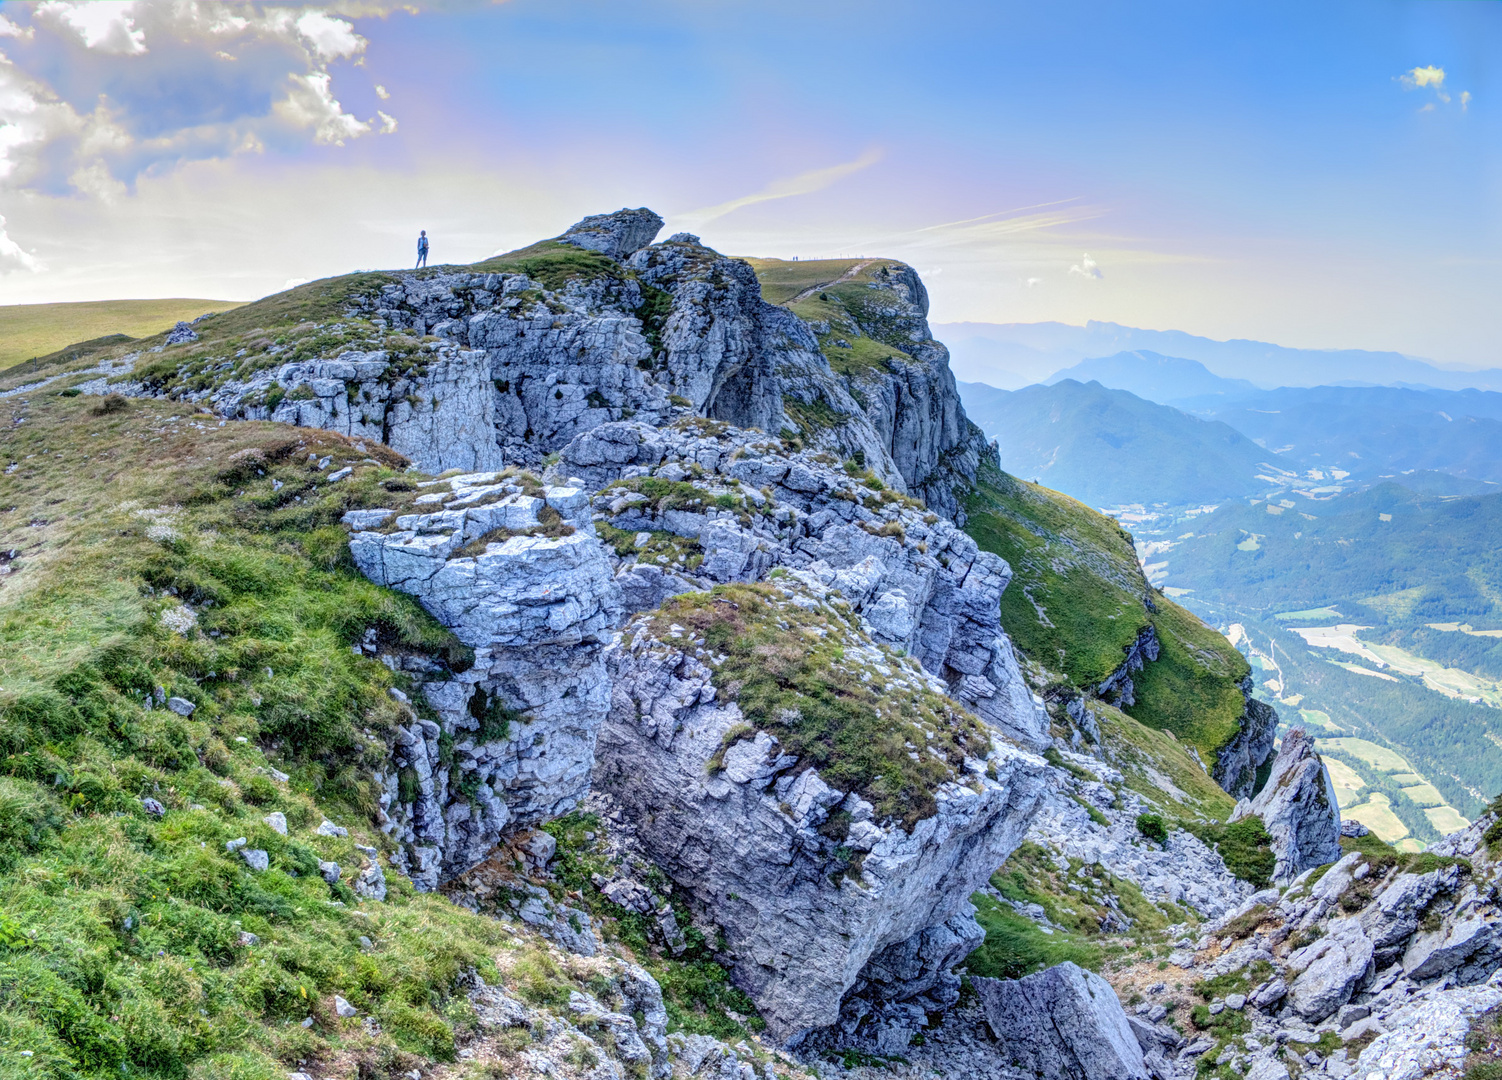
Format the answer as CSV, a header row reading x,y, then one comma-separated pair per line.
x,y
1421,77
106,25
10,29
1087,268
1432,78
97,92
13,256
330,38
311,104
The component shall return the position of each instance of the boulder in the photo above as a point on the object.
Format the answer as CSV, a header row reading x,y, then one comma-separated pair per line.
x,y
1063,1021
1329,970
811,916
1298,808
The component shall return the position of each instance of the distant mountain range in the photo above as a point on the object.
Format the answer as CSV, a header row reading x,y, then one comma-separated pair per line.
x,y
1107,447
1167,380
1148,428
1012,355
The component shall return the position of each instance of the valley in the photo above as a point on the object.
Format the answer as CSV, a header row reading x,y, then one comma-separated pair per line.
x,y
1364,593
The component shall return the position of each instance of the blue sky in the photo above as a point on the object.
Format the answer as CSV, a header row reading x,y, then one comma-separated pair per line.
x,y
1322,175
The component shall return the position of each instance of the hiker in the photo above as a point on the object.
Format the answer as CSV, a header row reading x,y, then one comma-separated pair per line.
x,y
422,248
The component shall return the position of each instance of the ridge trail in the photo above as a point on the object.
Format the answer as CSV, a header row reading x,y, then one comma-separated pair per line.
x,y
846,276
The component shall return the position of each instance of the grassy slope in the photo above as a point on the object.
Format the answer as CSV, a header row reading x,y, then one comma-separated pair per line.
x,y
32,330
1077,602
119,941
846,305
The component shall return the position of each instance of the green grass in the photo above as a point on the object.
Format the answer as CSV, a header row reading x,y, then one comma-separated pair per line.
x,y
120,948
782,279
1149,756
799,686
552,264
1245,846
1077,603
29,331
1016,946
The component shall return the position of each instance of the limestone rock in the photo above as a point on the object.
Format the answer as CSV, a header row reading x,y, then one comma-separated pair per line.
x,y
1427,1036
255,858
1237,763
618,235
807,918
537,611
1329,970
181,334
1298,808
1063,1021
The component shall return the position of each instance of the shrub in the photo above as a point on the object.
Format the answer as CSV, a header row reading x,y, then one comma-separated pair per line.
x,y
111,404
1244,845
1152,827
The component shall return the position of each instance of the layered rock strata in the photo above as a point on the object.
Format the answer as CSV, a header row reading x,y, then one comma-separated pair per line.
x,y
698,504
1244,761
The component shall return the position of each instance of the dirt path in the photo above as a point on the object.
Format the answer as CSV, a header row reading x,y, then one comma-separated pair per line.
x,y
846,276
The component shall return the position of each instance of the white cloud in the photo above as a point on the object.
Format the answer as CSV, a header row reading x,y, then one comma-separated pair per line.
x,y
10,29
381,92
1033,281
106,25
309,103
13,256
1433,79
1087,268
294,282
803,184
95,180
331,38
119,111
1421,77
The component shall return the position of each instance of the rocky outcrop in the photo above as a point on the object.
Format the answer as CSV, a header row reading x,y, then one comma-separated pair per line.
x,y
1063,1021
1298,808
619,235
1182,870
1117,688
822,900
479,370
741,506
1329,970
513,742
1386,948
1240,763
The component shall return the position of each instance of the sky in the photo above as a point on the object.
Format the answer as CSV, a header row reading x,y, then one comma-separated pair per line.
x,y
1317,175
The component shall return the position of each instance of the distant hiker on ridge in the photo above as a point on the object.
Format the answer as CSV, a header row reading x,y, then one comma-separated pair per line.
x,y
422,248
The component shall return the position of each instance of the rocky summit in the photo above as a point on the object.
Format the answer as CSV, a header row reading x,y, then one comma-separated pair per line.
x,y
618,659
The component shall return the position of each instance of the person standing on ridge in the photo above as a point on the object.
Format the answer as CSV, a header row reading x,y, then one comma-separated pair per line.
x,y
422,248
